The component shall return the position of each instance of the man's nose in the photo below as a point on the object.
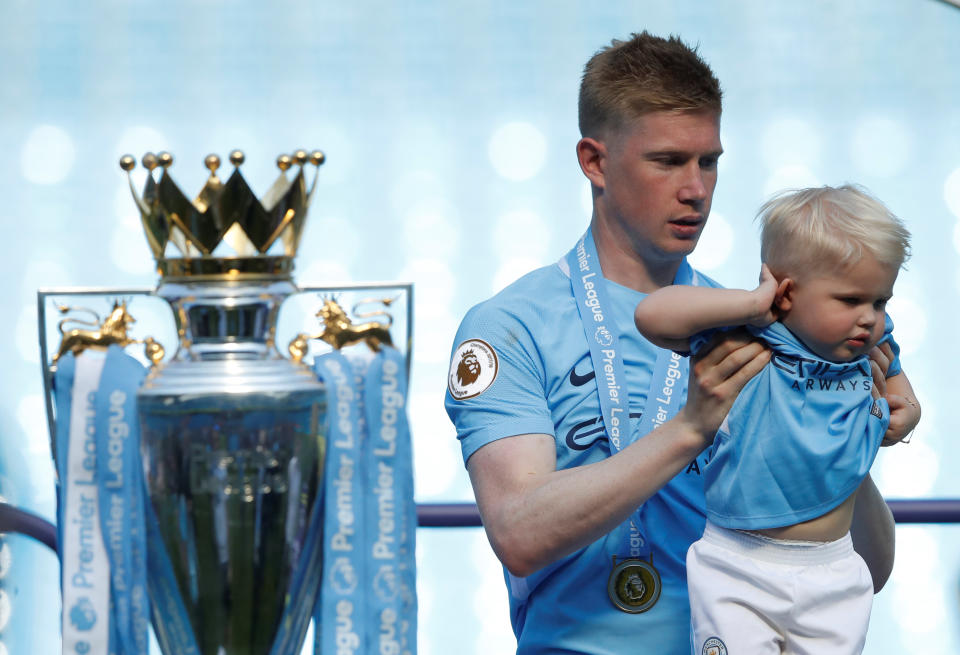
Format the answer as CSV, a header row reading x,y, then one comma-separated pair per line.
x,y
694,188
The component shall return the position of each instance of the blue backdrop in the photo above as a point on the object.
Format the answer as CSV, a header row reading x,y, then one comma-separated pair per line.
x,y
450,129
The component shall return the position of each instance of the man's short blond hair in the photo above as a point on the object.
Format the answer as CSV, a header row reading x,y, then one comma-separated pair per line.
x,y
646,73
827,229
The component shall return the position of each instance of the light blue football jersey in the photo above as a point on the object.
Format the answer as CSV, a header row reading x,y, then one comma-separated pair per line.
x,y
799,439
540,379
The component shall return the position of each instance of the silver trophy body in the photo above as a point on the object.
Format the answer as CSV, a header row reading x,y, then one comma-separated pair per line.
x,y
233,451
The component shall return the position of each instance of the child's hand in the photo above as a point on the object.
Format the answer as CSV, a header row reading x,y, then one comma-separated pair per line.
x,y
904,408
904,416
763,296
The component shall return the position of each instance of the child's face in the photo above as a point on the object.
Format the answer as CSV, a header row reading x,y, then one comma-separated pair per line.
x,y
840,315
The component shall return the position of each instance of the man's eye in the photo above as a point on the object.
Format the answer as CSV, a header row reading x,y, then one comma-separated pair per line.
x,y
669,161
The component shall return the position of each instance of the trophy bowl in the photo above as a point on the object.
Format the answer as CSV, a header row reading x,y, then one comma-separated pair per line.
x,y
233,453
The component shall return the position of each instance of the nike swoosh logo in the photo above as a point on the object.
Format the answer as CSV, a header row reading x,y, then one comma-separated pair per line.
x,y
580,380
584,434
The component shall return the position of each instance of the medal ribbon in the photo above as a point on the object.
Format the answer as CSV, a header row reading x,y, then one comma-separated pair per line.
x,y
603,339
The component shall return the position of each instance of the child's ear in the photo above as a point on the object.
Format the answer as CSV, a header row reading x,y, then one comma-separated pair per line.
x,y
783,300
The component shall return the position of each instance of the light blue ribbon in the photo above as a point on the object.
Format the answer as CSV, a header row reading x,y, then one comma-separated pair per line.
x,y
341,612
391,513
368,601
121,497
109,445
84,574
603,339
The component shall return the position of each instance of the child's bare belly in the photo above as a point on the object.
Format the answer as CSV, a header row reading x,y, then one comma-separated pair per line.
x,y
829,527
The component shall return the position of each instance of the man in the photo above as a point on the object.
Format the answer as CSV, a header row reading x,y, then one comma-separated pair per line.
x,y
585,467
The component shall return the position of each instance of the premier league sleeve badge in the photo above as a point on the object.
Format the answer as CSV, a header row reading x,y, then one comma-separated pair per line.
x,y
473,368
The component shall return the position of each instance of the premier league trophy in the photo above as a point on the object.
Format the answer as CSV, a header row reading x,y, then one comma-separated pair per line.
x,y
230,430
232,434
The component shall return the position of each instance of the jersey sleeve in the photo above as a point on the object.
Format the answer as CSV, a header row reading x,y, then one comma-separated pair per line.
x,y
496,380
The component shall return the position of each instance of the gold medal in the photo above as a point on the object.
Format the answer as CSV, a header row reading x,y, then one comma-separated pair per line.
x,y
634,585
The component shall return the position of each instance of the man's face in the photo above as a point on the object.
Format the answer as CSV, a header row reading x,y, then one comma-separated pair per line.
x,y
658,180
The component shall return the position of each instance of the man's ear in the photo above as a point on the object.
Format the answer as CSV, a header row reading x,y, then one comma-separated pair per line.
x,y
783,300
592,155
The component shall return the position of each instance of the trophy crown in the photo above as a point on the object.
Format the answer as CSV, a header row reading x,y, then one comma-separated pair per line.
x,y
226,231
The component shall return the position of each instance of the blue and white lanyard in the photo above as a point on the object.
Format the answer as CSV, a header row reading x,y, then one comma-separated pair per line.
x,y
603,339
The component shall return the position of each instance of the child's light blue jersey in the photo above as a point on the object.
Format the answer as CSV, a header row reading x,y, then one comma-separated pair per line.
x,y
521,365
799,439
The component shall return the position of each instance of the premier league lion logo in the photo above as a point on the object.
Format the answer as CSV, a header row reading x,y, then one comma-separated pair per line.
x,y
473,368
468,370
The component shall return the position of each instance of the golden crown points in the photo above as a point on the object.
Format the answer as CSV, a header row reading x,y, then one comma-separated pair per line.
x,y
226,231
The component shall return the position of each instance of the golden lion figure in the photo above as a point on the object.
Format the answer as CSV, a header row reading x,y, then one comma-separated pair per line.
x,y
112,330
339,330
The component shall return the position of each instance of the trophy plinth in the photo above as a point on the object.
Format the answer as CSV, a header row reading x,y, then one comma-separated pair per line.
x,y
233,451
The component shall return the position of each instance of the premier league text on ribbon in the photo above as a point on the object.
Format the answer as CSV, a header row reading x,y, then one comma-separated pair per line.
x,y
344,446
342,483
86,517
673,374
85,585
592,302
118,432
119,522
384,547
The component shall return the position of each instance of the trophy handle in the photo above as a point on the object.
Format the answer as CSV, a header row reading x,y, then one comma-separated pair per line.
x,y
97,334
112,330
341,330
386,302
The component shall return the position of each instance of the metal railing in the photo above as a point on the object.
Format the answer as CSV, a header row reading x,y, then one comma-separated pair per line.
x,y
466,515
920,510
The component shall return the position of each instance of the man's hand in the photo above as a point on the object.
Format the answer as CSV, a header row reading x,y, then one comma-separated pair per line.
x,y
718,373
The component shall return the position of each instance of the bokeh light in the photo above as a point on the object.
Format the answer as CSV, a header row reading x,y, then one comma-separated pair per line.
x,y
48,154
881,146
718,241
517,151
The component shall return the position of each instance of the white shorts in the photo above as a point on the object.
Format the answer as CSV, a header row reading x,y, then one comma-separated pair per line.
x,y
752,595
